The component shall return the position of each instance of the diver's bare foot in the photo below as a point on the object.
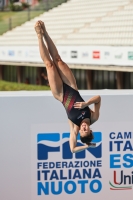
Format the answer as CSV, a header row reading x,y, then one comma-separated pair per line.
x,y
38,30
42,26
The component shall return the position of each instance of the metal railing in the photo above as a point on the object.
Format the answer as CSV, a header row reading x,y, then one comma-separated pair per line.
x,y
18,18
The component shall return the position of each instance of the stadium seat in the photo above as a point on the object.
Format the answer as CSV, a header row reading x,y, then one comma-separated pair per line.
x,y
97,22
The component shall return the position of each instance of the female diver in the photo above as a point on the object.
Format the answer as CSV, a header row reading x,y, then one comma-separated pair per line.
x,y
64,88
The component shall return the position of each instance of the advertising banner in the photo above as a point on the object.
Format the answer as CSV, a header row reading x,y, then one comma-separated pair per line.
x,y
94,55
101,172
57,172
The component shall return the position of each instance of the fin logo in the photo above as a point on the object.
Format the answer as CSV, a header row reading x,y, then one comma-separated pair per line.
x,y
62,140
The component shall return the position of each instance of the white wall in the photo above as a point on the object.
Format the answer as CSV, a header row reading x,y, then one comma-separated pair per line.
x,y
25,114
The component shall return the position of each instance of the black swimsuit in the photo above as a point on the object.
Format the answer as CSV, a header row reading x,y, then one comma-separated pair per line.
x,y
69,98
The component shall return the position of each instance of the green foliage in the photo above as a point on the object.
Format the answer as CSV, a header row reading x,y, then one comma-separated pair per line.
x,y
12,1
25,5
16,7
10,86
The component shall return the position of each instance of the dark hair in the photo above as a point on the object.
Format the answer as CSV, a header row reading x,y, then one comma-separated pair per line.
x,y
87,139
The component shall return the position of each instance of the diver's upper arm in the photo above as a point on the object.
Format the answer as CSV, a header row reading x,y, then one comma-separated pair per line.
x,y
73,140
95,113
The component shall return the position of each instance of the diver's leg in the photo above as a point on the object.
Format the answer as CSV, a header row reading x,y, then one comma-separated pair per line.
x,y
54,78
63,69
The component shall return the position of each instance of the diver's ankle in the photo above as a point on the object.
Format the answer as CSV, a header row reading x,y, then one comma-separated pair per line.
x,y
40,36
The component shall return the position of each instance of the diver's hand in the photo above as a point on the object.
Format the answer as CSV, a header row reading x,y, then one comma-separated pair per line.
x,y
80,105
91,145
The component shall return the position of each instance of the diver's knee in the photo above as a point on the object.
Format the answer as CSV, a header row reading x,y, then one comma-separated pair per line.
x,y
57,97
49,64
57,59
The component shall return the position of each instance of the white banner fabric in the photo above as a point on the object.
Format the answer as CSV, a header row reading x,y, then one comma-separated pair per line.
x,y
93,55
